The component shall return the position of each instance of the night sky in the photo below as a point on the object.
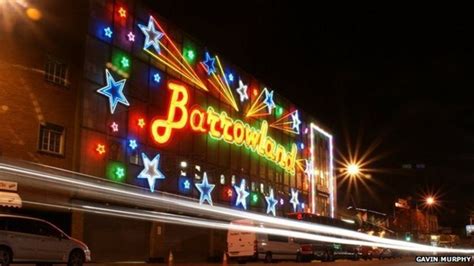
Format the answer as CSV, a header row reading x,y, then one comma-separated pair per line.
x,y
396,79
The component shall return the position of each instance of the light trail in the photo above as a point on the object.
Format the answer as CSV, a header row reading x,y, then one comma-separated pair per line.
x,y
205,223
156,200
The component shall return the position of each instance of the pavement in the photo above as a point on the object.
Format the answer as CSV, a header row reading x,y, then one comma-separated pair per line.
x,y
406,261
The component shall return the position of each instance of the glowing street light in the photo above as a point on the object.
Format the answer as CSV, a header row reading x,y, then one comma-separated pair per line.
x,y
353,169
430,201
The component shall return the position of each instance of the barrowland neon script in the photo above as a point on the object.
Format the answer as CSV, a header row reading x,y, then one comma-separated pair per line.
x,y
220,126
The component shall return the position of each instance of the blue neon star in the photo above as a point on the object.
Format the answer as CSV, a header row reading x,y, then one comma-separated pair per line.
x,y
241,194
186,184
150,170
133,144
271,203
205,189
152,36
209,64
157,77
230,77
269,100
108,32
296,122
294,199
114,91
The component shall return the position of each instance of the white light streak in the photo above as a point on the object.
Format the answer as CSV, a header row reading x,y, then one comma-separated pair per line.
x,y
158,200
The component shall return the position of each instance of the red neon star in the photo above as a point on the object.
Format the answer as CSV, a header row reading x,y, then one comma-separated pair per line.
x,y
229,193
100,148
141,122
122,12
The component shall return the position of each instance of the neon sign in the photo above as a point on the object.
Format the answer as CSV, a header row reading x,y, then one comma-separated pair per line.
x,y
221,127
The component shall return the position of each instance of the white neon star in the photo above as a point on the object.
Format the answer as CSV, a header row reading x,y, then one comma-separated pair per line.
x,y
205,189
131,37
271,203
241,194
114,127
152,36
242,91
150,170
296,122
294,199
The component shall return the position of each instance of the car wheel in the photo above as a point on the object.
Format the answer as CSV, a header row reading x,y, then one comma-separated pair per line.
x,y
5,256
76,258
268,257
299,258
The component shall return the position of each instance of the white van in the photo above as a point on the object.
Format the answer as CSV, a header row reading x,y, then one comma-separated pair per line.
x,y
249,246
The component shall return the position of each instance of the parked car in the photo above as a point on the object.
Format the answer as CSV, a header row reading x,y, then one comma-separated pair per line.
x,y
248,246
316,250
25,239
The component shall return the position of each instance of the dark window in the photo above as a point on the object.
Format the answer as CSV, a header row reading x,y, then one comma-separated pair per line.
x,y
3,224
277,238
55,71
47,230
22,226
51,139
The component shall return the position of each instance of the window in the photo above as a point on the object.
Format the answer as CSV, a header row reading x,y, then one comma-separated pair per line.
x,y
22,226
47,230
277,238
51,139
55,71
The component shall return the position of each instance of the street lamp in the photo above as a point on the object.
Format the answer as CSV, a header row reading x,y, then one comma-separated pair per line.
x,y
353,169
430,201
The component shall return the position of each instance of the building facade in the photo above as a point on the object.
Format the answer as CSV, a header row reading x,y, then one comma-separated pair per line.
x,y
112,90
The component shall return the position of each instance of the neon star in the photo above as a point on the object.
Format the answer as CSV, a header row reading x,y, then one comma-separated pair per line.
x,y
141,122
114,91
269,100
229,193
186,184
120,172
271,203
242,91
152,36
205,189
108,32
114,127
209,64
294,199
131,37
230,77
100,148
150,170
133,144
125,62
241,194
122,12
157,78
296,122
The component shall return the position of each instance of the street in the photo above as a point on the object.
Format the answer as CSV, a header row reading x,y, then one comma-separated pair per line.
x,y
395,262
